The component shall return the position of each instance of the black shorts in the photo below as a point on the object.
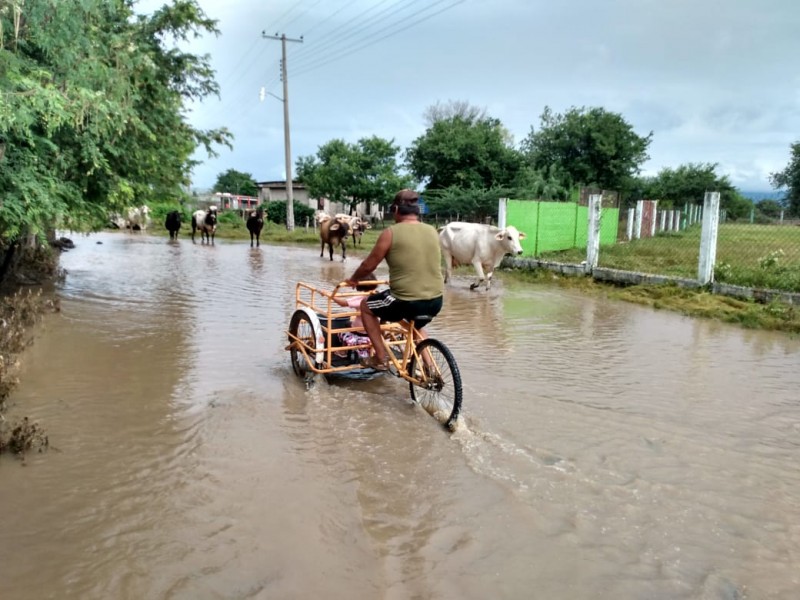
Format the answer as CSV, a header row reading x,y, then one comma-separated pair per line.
x,y
388,308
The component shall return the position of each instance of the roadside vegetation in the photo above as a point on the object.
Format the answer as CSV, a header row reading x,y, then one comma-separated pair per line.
x,y
760,256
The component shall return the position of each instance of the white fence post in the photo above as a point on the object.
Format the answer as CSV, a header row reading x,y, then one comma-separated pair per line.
x,y
637,228
663,223
502,206
593,243
631,213
708,238
655,218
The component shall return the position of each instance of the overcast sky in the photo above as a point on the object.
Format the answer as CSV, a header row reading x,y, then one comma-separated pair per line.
x,y
714,80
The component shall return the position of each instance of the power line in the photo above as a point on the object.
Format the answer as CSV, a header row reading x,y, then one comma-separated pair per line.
x,y
324,39
286,25
327,46
239,62
392,33
277,23
326,19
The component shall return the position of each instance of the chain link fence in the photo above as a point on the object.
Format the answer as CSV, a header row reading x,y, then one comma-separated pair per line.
x,y
660,239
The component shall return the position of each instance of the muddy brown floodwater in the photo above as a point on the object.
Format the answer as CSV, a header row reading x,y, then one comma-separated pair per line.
x,y
605,450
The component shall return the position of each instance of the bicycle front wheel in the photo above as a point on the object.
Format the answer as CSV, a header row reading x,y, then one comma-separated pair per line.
x,y
440,394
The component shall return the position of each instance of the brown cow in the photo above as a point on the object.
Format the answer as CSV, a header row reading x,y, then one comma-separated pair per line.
x,y
357,228
332,232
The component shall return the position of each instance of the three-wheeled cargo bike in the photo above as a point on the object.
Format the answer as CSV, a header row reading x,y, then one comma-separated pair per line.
x,y
316,347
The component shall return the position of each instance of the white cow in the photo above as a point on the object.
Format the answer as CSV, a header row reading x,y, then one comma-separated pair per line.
x,y
482,246
357,225
139,217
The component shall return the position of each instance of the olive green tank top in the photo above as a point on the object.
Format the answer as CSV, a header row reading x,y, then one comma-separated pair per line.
x,y
415,262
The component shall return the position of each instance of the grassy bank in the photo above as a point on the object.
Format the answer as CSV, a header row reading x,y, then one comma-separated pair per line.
x,y
762,256
20,310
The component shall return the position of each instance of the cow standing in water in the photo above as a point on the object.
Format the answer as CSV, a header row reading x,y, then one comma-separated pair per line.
x,y
482,246
255,223
173,224
334,231
206,222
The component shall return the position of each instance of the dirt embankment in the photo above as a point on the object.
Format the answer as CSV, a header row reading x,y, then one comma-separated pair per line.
x,y
26,273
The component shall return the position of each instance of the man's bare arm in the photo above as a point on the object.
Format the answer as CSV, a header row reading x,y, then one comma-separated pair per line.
x,y
378,253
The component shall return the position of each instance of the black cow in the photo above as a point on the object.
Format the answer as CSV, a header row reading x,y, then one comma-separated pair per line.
x,y
255,223
173,224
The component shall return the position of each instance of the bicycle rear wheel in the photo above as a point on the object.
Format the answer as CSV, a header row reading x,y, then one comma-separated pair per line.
x,y
301,328
440,395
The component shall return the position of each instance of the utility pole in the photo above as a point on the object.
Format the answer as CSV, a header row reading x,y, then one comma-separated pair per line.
x,y
286,138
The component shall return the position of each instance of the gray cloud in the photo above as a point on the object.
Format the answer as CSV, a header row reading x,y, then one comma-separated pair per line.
x,y
714,80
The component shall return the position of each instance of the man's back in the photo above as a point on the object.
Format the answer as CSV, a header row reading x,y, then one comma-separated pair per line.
x,y
415,262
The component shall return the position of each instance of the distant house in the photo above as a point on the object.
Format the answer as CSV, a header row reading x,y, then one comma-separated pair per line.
x,y
269,191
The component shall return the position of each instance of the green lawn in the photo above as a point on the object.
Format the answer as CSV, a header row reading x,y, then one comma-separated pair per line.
x,y
764,256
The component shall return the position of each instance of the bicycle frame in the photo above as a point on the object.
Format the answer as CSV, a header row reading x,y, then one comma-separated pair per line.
x,y
324,315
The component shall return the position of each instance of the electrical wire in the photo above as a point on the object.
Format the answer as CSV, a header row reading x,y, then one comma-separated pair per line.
x,y
370,43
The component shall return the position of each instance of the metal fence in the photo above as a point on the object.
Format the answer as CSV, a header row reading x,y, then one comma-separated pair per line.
x,y
667,241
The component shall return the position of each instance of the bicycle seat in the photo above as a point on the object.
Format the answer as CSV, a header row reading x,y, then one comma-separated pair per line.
x,y
421,320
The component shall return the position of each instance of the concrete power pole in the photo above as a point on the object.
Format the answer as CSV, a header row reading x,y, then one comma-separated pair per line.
x,y
286,137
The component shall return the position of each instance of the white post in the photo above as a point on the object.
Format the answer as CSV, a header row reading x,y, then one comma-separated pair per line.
x,y
708,238
630,224
781,217
653,222
663,224
502,205
637,229
593,243
676,220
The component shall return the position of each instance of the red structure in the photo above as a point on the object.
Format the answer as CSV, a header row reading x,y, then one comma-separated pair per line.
x,y
228,201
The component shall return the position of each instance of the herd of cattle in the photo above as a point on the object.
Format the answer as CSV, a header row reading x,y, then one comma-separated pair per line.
x,y
482,246
137,218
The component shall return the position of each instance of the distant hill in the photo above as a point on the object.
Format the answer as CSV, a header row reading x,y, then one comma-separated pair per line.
x,y
759,196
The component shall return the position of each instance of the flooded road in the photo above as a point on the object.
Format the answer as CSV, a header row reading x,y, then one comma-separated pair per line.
x,y
604,451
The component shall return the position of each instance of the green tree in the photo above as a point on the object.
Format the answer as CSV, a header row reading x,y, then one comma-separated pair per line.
x,y
236,182
276,212
442,111
587,146
770,208
463,147
366,171
789,178
92,109
687,184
